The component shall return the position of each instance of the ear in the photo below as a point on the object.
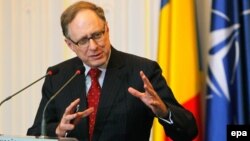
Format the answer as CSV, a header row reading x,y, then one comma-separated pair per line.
x,y
107,27
70,44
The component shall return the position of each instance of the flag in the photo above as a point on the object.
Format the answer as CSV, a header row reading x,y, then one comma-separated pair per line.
x,y
178,56
228,73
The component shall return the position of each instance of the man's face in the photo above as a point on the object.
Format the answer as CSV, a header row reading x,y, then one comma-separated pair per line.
x,y
89,38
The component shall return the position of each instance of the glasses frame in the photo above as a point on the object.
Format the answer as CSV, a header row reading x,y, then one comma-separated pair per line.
x,y
92,36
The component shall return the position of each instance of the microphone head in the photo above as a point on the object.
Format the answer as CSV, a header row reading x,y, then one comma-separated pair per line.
x,y
80,70
52,71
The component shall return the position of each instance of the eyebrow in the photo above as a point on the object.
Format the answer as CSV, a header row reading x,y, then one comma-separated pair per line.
x,y
87,37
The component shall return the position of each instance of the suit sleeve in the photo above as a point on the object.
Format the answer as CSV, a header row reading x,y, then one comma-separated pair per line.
x,y
184,125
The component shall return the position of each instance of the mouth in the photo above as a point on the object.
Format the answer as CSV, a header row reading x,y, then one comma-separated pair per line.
x,y
96,56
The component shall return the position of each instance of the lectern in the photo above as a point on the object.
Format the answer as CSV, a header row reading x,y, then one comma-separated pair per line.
x,y
32,138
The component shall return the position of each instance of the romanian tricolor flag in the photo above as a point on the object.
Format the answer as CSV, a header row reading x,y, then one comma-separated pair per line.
x,y
178,57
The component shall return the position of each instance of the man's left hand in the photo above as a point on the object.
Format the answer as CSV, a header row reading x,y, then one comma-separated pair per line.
x,y
150,97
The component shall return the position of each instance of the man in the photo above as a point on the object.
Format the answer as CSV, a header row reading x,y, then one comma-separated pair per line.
x,y
130,91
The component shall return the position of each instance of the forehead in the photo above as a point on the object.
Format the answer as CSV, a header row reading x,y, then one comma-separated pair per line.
x,y
85,22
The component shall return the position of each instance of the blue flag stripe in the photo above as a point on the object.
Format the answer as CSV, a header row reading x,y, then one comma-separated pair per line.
x,y
163,3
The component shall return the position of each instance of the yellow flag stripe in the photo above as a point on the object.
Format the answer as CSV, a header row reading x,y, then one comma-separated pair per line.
x,y
164,41
163,60
177,53
183,71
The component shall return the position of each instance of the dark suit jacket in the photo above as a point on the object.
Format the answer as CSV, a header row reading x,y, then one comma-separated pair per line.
x,y
120,116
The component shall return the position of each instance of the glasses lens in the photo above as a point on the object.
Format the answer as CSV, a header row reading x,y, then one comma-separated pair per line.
x,y
83,42
97,37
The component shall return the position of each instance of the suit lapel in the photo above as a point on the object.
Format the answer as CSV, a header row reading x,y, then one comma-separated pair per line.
x,y
78,86
110,90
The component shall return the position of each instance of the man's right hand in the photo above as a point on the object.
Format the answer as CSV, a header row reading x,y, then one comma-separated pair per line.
x,y
70,115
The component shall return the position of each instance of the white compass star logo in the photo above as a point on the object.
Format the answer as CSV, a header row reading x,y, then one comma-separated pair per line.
x,y
215,64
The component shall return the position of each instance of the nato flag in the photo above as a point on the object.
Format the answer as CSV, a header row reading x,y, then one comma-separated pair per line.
x,y
228,72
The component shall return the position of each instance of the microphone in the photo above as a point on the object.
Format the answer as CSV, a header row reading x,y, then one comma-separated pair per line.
x,y
51,71
79,71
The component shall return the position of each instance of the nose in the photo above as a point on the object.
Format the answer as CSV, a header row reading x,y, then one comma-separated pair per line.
x,y
92,44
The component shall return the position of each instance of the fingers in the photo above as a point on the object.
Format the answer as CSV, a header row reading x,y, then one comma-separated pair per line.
x,y
149,90
83,114
62,128
86,112
145,79
135,92
149,96
69,115
70,109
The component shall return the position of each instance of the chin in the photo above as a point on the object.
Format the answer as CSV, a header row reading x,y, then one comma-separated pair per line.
x,y
99,64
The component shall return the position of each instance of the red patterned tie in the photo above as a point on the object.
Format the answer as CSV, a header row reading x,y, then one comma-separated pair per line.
x,y
93,97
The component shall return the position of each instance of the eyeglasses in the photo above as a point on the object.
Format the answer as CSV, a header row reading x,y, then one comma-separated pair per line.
x,y
96,36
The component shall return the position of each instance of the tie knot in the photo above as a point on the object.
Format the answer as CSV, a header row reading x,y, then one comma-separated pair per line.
x,y
94,73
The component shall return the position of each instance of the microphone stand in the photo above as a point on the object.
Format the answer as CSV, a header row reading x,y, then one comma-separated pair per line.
x,y
9,97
